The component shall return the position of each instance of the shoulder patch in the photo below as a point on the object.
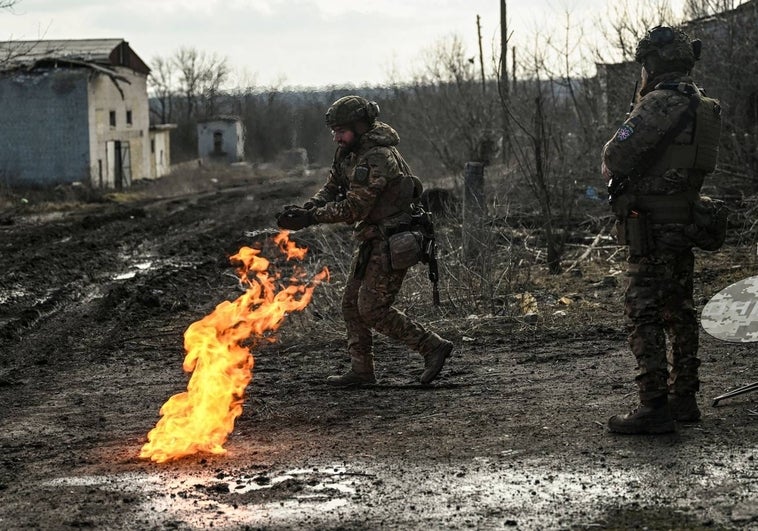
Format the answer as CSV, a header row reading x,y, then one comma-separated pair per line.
x,y
624,132
627,129
360,175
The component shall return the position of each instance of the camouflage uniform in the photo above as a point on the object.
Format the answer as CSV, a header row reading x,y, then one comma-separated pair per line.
x,y
373,284
370,185
659,295
659,298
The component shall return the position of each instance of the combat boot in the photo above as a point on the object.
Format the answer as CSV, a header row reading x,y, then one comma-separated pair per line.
x,y
650,417
435,350
351,378
361,373
684,407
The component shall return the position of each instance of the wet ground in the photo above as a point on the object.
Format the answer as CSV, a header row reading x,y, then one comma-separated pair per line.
x,y
94,299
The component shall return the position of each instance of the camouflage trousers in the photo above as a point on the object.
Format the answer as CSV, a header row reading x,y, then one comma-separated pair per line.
x,y
367,305
659,304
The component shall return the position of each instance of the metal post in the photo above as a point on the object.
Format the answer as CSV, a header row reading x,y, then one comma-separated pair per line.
x,y
473,208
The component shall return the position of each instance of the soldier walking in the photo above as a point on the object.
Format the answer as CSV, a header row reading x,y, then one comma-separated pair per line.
x,y
370,185
655,165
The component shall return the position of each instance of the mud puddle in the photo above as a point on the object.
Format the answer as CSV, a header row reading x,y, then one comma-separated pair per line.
x,y
496,491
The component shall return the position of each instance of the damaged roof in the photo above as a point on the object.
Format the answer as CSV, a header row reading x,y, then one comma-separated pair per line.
x,y
107,53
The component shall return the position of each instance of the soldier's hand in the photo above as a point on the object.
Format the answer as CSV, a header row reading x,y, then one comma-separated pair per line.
x,y
296,218
307,205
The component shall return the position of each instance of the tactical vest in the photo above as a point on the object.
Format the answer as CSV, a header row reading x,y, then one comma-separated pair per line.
x,y
702,152
398,196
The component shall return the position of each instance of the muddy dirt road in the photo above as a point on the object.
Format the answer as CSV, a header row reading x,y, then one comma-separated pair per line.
x,y
93,304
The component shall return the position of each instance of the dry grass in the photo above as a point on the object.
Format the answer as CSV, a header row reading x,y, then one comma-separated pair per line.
x,y
481,292
488,284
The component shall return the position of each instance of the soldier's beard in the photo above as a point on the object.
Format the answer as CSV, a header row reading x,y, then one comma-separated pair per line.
x,y
349,146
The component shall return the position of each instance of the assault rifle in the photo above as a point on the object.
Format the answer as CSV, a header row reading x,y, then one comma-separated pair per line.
x,y
634,97
616,188
423,219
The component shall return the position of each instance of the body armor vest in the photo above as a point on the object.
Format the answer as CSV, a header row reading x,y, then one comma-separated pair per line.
x,y
397,198
399,195
702,152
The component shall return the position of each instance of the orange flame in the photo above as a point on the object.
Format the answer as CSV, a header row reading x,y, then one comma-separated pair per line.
x,y
200,419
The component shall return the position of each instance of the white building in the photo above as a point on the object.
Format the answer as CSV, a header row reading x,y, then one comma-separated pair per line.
x,y
76,110
160,149
221,139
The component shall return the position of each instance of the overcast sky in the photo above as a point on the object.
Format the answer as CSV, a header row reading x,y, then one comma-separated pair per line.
x,y
294,42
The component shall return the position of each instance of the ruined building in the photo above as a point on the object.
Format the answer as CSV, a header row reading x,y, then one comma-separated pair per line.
x,y
77,111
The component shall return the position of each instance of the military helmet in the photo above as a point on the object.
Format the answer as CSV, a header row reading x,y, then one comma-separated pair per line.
x,y
665,49
351,109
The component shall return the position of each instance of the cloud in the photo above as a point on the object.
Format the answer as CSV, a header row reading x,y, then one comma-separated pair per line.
x,y
310,42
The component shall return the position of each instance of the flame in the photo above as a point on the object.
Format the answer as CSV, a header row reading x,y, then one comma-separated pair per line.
x,y
200,419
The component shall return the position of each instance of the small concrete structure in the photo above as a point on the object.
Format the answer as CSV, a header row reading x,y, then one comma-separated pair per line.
x,y
221,139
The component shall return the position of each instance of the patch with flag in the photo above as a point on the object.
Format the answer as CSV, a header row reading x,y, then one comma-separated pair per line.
x,y
624,132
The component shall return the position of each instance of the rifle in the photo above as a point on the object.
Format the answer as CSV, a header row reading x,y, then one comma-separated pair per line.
x,y
424,220
431,253
632,102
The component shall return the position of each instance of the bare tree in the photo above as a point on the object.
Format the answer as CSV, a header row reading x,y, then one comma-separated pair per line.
x,y
537,149
201,76
702,8
8,52
555,120
446,107
627,24
216,73
503,85
187,86
162,88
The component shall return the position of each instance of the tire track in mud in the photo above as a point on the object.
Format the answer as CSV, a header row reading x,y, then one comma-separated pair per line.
x,y
78,257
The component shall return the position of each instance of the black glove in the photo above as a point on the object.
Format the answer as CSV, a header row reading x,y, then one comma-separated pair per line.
x,y
295,218
307,205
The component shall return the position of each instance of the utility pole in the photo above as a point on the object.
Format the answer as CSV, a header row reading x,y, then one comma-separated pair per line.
x,y
481,54
513,69
504,88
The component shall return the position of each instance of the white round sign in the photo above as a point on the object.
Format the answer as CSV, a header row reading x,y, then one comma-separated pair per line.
x,y
732,314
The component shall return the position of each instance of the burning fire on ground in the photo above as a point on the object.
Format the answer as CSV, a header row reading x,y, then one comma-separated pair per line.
x,y
200,419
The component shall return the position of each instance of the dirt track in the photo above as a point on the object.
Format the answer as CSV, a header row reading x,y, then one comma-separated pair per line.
x,y
93,304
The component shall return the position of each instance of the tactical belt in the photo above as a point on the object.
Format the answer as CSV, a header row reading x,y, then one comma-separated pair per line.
x,y
663,209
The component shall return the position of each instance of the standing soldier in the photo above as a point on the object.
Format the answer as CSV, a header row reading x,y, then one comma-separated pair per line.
x,y
655,165
370,185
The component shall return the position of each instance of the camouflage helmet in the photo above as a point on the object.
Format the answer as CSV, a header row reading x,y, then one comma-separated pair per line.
x,y
351,109
665,49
